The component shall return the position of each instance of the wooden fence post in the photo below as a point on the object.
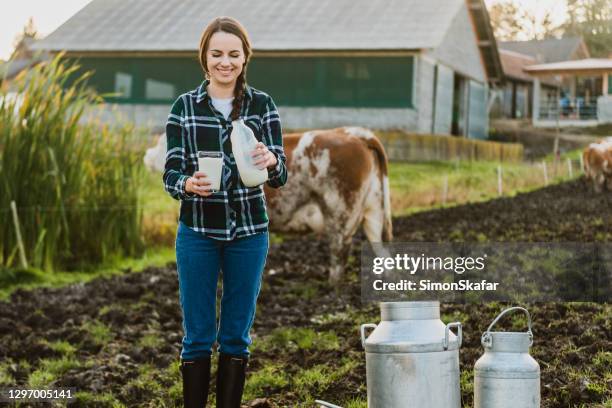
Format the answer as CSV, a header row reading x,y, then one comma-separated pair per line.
x,y
499,181
22,255
445,189
545,169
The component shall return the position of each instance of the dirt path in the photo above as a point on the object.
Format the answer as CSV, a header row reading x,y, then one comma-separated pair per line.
x,y
117,340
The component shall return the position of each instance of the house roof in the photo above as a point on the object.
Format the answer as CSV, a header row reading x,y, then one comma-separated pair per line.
x,y
514,64
176,25
548,50
584,66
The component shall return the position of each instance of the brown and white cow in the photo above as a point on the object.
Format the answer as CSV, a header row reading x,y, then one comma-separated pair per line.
x,y
337,182
597,161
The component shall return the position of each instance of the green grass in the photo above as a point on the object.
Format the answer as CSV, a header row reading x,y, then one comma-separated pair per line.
x,y
292,339
61,346
50,370
316,380
5,376
151,341
603,360
313,381
87,399
13,279
466,381
419,186
146,380
356,403
100,333
269,379
159,388
155,200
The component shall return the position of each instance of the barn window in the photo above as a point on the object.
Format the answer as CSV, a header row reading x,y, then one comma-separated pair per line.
x,y
123,85
158,90
335,81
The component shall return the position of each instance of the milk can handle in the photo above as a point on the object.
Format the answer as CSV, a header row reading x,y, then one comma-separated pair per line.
x,y
459,334
486,336
363,329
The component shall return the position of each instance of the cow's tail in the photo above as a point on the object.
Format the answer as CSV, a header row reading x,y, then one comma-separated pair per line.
x,y
374,144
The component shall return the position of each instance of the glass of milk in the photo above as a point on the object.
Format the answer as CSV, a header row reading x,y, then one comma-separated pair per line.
x,y
211,164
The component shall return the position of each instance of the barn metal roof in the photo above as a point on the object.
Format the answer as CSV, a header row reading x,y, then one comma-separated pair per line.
x,y
548,50
176,25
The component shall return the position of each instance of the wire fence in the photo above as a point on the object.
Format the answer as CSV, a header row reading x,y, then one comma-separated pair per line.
x,y
548,172
542,173
84,208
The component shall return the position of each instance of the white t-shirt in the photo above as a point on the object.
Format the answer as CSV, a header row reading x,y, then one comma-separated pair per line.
x,y
223,105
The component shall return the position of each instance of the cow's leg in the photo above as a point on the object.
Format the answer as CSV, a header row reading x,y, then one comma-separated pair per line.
x,y
373,219
340,248
609,182
598,182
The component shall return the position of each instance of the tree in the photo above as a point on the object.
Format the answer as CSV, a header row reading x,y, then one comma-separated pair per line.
x,y
541,29
511,22
22,41
592,20
505,21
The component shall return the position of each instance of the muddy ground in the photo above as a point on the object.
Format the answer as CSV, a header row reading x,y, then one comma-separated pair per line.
x,y
117,340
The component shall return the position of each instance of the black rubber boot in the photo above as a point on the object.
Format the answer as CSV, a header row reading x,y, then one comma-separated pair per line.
x,y
196,378
230,380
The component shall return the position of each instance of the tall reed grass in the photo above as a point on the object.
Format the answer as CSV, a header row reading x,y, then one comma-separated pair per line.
x,y
74,181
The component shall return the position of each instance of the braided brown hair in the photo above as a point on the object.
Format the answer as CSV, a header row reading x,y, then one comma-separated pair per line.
x,y
232,26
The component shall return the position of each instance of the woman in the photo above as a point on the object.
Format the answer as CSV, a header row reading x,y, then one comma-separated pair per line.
x,y
225,230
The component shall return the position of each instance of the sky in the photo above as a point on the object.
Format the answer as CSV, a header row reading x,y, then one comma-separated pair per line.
x,y
49,15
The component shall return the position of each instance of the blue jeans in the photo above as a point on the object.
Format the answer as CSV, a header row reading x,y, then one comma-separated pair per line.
x,y
199,260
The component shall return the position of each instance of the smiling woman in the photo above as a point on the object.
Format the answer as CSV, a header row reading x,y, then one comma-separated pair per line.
x,y
225,229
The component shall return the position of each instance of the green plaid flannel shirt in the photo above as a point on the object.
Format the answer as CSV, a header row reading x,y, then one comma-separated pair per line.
x,y
193,125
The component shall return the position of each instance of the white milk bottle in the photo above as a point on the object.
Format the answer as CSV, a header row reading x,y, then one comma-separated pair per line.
x,y
211,163
243,144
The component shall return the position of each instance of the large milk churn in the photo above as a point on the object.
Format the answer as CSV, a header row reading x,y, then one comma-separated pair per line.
x,y
412,358
506,376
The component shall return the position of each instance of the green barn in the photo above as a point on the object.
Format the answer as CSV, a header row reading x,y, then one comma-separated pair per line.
x,y
423,66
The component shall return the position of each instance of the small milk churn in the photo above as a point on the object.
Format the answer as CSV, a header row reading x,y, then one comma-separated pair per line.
x,y
412,358
506,376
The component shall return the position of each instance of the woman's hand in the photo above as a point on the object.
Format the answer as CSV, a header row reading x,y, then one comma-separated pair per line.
x,y
198,184
262,157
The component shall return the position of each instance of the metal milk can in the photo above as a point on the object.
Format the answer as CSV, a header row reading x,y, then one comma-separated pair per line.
x,y
506,376
412,358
